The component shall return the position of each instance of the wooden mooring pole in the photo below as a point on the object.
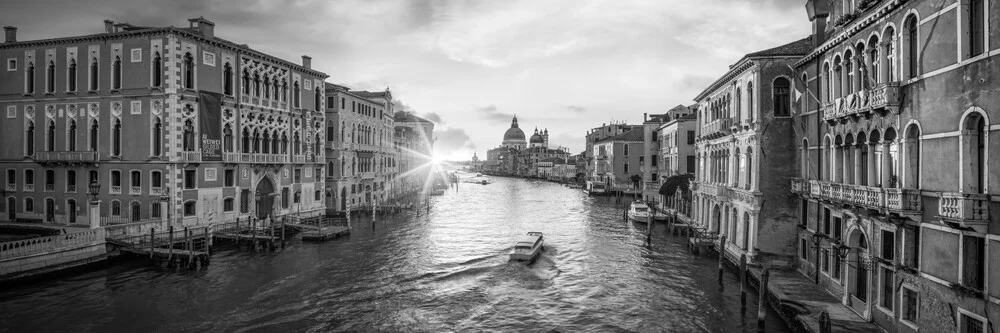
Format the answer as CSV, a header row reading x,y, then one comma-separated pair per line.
x,y
152,235
208,242
283,220
170,243
762,299
722,255
253,233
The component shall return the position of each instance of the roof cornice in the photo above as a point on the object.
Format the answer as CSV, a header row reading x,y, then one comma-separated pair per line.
x,y
845,34
737,69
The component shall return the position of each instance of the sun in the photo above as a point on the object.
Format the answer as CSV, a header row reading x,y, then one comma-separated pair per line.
x,y
437,159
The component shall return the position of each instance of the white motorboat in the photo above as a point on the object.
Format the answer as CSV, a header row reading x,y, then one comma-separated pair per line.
x,y
638,211
527,247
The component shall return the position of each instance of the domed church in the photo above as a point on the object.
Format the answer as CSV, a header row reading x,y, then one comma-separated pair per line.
x,y
514,137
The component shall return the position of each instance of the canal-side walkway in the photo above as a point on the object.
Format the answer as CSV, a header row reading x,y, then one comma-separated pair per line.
x,y
790,287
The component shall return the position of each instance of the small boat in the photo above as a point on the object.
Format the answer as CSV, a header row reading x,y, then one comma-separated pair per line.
x,y
527,247
479,175
486,182
437,191
638,211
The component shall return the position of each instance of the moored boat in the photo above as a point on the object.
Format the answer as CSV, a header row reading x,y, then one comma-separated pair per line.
x,y
638,211
527,247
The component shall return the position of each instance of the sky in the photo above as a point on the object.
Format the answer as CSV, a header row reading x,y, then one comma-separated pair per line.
x,y
469,66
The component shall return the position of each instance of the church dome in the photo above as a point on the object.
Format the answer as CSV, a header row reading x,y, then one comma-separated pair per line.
x,y
536,139
513,133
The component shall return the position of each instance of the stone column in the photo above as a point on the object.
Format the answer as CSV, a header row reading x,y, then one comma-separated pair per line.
x,y
94,213
163,212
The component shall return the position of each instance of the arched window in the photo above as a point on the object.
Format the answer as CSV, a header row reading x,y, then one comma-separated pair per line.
x,y
626,149
911,42
256,84
190,208
284,198
157,70
911,172
50,78
266,143
780,96
837,79
94,74
71,136
71,75
804,159
29,139
116,73
116,208
862,177
227,79
188,135
94,135
188,70
227,139
246,82
317,195
848,72
50,136
874,69
749,168
245,147
296,148
29,78
284,143
317,98
267,88
256,141
157,137
739,105
295,93
276,86
116,138
826,82
888,55
228,205
974,153
275,143
750,104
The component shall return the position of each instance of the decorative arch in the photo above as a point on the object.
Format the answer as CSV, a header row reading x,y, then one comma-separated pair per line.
x,y
911,155
973,151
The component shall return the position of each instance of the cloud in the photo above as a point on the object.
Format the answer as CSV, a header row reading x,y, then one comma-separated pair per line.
x,y
433,117
492,114
450,140
576,109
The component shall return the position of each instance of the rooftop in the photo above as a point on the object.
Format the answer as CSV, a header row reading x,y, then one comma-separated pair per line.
x,y
634,135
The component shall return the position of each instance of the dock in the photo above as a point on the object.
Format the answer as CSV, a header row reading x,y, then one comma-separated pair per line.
x,y
320,228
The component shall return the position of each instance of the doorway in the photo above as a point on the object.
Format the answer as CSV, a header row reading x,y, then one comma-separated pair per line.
x,y
265,198
11,209
50,210
71,211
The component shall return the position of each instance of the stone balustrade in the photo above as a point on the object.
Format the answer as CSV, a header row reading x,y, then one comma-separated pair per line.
x,y
717,128
40,245
883,97
902,200
964,207
897,200
191,156
65,156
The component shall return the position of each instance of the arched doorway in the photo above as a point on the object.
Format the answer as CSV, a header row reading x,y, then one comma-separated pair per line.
x,y
716,219
11,209
264,198
858,272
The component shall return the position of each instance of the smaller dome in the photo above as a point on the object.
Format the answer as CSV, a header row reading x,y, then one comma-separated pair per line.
x,y
536,139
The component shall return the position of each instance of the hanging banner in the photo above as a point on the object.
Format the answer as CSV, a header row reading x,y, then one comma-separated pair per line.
x,y
210,125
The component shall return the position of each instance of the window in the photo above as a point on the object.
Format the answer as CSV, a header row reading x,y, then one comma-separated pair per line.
x,y
188,71
154,210
780,95
136,178
803,249
116,180
71,75
227,79
29,205
71,136
911,247
245,201
888,245
116,73
188,136
29,78
50,136
298,197
229,177
70,181
826,221
886,296
973,253
317,195
12,177
626,150
155,179
94,74
116,138
94,135
227,205
910,302
11,64
977,27
116,208
190,179
826,260
836,266
157,137
970,324
343,103
227,139
298,175
256,84
50,180
296,93
50,78
625,168
912,50
189,208
157,70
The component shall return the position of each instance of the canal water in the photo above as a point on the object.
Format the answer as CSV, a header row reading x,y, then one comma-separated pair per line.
x,y
446,270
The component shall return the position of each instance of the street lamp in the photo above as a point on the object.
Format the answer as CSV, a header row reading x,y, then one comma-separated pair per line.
x,y
93,189
817,238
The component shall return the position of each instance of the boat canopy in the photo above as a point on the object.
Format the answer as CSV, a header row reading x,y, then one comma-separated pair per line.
x,y
526,241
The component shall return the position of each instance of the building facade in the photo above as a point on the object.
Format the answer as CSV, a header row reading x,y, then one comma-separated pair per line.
x,y
187,126
678,157
600,133
519,157
617,160
414,152
745,126
897,192
361,158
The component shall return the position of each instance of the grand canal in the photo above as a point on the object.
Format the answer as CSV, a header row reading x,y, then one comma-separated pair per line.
x,y
445,270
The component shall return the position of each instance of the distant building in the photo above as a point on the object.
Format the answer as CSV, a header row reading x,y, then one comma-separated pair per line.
x,y
414,139
616,161
518,157
677,153
600,133
649,162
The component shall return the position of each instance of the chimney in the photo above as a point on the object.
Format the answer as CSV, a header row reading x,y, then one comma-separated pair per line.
x,y
645,117
307,61
205,27
817,11
9,34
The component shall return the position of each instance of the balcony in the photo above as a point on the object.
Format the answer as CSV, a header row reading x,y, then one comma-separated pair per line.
x,y
967,210
71,188
156,191
882,99
29,187
800,186
717,128
191,156
299,159
264,158
50,187
889,200
135,190
719,191
11,187
903,200
115,189
66,156
231,157
749,197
